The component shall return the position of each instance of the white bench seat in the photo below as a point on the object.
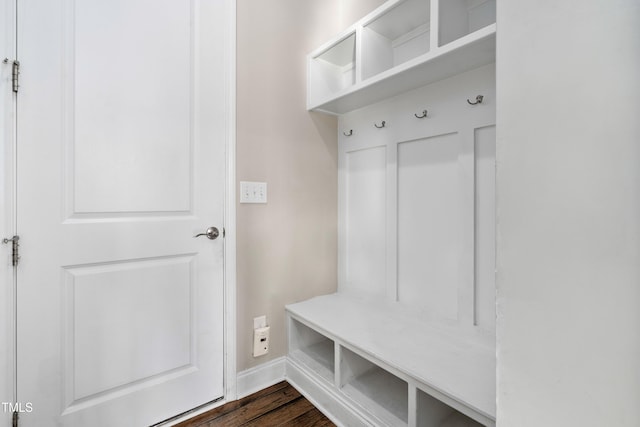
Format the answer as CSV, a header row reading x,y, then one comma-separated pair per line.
x,y
450,363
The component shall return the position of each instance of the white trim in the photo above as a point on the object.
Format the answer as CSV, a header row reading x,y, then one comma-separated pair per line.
x,y
230,386
7,212
261,377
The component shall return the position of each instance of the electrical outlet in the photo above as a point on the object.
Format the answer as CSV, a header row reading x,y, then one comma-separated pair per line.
x,y
260,341
253,192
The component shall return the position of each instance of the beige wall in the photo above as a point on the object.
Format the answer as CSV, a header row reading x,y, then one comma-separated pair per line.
x,y
286,249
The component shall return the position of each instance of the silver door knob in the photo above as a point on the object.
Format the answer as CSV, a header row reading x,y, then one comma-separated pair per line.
x,y
212,233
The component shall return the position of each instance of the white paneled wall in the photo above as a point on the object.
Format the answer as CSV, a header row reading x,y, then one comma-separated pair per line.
x,y
429,223
417,197
366,203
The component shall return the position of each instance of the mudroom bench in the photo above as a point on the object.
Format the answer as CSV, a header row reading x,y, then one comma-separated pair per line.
x,y
409,339
372,362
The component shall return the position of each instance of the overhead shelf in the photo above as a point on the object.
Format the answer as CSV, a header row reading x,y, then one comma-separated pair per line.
x,y
401,46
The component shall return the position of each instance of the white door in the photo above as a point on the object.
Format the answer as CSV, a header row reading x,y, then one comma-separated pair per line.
x,y
121,161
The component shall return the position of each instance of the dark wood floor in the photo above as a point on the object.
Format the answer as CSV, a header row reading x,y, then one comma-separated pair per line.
x,y
278,405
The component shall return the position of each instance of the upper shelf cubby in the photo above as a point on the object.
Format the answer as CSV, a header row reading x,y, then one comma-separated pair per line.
x,y
461,17
402,45
333,69
393,38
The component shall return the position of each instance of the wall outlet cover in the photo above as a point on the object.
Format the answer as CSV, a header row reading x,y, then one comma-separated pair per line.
x,y
260,341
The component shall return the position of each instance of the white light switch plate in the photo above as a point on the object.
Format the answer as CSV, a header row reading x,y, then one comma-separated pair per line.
x,y
253,192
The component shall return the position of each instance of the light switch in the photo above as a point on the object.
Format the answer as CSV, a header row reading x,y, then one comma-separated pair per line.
x,y
253,192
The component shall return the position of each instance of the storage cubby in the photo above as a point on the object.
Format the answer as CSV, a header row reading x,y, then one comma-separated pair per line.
x,y
433,413
381,393
312,349
461,17
333,70
395,37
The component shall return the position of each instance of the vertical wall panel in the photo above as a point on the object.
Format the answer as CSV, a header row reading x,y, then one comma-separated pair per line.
x,y
428,223
485,227
365,225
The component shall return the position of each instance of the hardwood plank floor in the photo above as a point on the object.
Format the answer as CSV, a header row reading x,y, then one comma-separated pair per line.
x,y
278,405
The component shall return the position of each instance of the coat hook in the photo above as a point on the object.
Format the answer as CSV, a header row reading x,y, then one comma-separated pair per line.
x,y
348,134
424,114
478,100
380,127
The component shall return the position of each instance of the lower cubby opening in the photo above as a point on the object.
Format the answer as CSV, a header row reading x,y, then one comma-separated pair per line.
x,y
433,413
379,392
312,349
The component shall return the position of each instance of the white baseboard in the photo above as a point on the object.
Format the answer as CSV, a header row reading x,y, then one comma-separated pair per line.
x,y
260,377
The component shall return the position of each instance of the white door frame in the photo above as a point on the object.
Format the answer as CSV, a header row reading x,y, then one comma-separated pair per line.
x,y
8,209
230,211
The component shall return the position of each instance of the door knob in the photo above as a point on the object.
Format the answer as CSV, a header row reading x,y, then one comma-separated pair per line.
x,y
212,233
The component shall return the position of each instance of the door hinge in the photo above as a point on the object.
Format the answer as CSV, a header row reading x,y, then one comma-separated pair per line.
x,y
14,419
15,249
15,76
15,73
